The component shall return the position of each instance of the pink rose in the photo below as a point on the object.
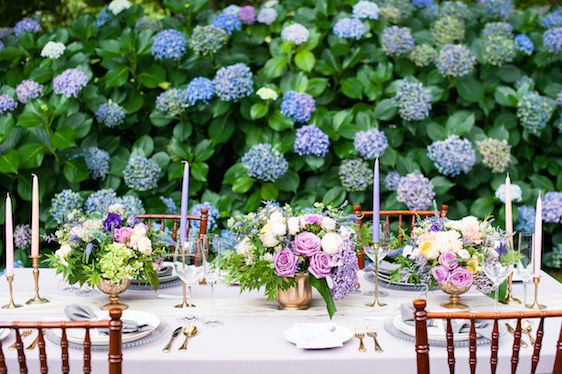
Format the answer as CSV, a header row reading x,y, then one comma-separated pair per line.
x,y
449,260
285,263
122,234
319,265
306,244
461,278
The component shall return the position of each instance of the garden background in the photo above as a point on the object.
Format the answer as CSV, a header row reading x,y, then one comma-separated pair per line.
x,y
288,101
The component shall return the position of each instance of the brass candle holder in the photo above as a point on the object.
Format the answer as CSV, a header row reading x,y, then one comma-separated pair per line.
x,y
535,304
11,304
36,299
509,299
376,302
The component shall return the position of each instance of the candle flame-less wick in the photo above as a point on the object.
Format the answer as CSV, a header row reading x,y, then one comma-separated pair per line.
x,y
185,162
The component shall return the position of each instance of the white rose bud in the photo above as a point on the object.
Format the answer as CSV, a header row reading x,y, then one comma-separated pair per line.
x,y
332,243
328,224
278,228
464,254
276,217
294,225
144,245
267,237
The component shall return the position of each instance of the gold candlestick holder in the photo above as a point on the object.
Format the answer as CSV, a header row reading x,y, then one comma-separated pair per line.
x,y
36,299
11,304
535,304
376,302
509,299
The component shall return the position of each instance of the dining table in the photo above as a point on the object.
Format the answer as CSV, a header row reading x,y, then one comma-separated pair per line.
x,y
251,338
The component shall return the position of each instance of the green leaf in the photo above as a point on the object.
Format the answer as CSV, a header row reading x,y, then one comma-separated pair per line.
x,y
289,181
63,138
75,170
482,207
159,119
116,77
275,67
441,185
258,110
152,76
269,191
506,96
242,185
145,145
335,196
435,131
385,110
315,163
221,130
316,86
305,60
199,171
460,123
279,122
470,89
352,88
204,150
9,162
321,286
542,183
30,119
31,155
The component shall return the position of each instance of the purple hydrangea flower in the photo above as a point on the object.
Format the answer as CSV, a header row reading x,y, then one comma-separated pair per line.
x,y
70,82
22,236
552,40
298,106
355,175
200,89
213,215
234,82
28,90
397,40
552,19
370,144
141,174
421,4
455,60
452,155
349,28
265,163
169,45
413,100
311,141
526,221
295,33
267,16
26,25
227,21
415,191
366,9
110,114
1,46
391,180
552,207
344,271
97,161
524,44
103,17
7,104
247,15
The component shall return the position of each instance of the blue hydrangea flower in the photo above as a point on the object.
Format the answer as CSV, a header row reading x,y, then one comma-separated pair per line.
x,y
526,221
552,40
228,240
355,175
525,79
1,46
498,29
26,25
227,21
311,141
265,163
267,16
298,106
169,45
524,44
171,207
552,19
397,40
366,9
7,104
295,33
231,9
22,236
5,32
172,102
416,191
457,9
70,82
421,4
132,204
413,100
552,207
97,161
100,201
103,17
497,8
207,40
200,89
234,82
515,190
423,55
64,203
213,215
455,60
452,155
349,28
370,144
141,174
392,180
110,114
28,90
146,23
499,50
447,30
534,112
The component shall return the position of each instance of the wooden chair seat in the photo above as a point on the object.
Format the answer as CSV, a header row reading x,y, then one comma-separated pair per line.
x,y
115,356
422,343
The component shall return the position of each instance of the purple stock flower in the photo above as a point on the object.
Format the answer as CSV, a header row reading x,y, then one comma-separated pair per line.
x,y
344,273
247,15
440,274
285,263
306,244
112,222
448,260
461,278
319,265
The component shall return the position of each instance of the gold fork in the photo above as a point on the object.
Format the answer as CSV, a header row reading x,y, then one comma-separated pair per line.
x,y
360,336
24,334
373,334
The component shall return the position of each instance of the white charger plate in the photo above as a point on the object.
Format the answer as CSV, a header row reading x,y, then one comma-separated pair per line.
x,y
345,334
76,336
434,332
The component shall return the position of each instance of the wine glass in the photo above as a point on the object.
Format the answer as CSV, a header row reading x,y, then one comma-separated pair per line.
x,y
186,265
376,253
497,268
213,274
524,263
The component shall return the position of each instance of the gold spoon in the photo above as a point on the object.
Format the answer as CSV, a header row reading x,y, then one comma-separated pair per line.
x,y
527,328
188,331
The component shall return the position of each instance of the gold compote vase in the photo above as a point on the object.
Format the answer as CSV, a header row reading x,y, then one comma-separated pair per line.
x,y
297,297
455,298
113,290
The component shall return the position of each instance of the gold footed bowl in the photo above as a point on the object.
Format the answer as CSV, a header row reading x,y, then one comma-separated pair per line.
x,y
297,297
113,290
455,298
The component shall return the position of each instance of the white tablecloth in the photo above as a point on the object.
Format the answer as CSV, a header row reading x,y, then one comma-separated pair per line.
x,y
251,339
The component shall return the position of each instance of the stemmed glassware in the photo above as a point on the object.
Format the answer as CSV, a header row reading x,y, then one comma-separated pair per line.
x,y
377,252
187,258
213,275
524,263
497,269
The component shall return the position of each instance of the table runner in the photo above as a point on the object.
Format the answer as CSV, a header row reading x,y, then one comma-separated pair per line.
x,y
251,339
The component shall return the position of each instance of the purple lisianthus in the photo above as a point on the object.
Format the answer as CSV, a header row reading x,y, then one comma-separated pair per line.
x,y
440,274
285,263
448,260
434,228
461,278
306,244
113,221
319,265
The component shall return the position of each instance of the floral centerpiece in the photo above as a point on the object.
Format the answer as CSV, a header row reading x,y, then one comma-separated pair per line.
x,y
115,248
277,243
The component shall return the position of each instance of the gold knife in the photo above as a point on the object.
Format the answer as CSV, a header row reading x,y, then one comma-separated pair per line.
x,y
175,334
512,332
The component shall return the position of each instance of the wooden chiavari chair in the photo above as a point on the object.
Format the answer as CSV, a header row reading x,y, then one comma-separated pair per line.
x,y
422,343
163,219
115,356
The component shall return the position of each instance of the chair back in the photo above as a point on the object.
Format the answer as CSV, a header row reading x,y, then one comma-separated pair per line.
x,y
422,343
164,219
115,356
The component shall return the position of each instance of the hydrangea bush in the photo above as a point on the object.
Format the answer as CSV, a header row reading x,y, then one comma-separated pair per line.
x,y
288,101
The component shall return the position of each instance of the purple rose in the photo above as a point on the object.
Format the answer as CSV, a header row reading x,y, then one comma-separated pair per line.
x,y
461,278
285,263
306,244
122,234
448,260
320,265
440,274
313,219
112,222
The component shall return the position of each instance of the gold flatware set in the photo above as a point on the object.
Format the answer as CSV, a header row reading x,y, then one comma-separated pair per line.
x,y
188,331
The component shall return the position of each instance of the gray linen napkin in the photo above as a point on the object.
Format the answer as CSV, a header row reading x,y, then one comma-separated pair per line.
x,y
165,271
75,312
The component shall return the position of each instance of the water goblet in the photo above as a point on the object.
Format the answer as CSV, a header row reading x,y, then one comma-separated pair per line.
x,y
213,274
497,268
524,264
186,266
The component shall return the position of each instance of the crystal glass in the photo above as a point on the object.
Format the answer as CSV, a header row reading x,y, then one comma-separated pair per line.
x,y
497,269
524,264
187,258
213,274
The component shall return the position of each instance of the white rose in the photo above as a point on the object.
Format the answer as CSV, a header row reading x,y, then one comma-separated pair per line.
x,y
144,245
53,50
139,232
267,237
345,232
328,224
332,243
278,228
464,254
276,217
294,225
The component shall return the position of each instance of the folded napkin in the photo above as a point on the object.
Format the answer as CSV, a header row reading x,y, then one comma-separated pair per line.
x,y
75,312
165,271
459,326
384,266
317,335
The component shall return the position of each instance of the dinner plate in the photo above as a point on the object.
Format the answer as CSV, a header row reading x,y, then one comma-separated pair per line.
x,y
168,278
4,333
345,334
434,332
76,336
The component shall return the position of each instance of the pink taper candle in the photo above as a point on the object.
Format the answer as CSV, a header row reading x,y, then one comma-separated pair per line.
x,y
508,211
9,238
537,248
35,218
